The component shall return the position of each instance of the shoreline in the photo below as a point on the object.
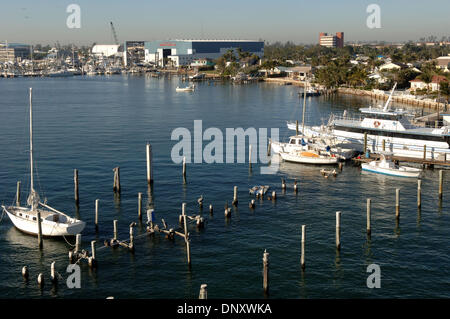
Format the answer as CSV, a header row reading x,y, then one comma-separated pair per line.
x,y
371,94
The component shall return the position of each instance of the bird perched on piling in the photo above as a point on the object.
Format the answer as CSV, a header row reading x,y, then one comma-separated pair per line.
x,y
200,201
252,204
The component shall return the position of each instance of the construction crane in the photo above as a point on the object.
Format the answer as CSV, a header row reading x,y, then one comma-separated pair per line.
x,y
114,33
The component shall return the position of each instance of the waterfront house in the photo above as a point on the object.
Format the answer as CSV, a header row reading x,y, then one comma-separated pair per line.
x,y
443,63
434,85
392,66
296,72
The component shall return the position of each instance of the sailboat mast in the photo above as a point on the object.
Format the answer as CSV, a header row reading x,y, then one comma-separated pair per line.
x,y
304,107
31,144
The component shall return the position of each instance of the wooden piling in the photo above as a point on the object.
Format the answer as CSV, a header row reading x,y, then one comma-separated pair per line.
x,y
140,206
149,164
53,276
250,156
384,145
40,280
425,152
227,211
188,250
18,194
274,195
78,243
116,186
296,128
25,273
295,186
186,235
397,203
302,256
93,259
338,230
184,169
203,292
441,183
39,229
115,229
235,196
131,244
96,215
283,184
365,143
369,230
266,271
76,192
211,210
419,193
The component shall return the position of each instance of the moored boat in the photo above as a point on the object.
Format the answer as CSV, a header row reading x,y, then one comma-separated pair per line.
x,y
388,167
190,88
38,215
391,130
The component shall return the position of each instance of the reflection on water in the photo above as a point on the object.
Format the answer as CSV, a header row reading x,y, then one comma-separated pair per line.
x,y
103,122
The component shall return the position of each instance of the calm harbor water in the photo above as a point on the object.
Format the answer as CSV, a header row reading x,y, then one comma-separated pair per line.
x,y
97,123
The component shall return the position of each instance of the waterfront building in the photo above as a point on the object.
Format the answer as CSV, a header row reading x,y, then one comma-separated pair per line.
x,y
10,52
434,85
106,50
184,52
443,63
332,41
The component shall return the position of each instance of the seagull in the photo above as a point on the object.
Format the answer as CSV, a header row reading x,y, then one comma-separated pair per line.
x,y
200,200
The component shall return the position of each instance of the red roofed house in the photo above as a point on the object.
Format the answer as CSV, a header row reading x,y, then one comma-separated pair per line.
x,y
433,86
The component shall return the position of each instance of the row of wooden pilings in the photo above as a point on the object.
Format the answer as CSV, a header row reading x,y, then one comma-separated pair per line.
x,y
77,254
338,227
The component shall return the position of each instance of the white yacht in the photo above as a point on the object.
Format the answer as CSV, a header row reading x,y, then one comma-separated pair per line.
x,y
52,222
394,127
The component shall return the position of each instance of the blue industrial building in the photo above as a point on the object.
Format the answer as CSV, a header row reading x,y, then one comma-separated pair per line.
x,y
184,52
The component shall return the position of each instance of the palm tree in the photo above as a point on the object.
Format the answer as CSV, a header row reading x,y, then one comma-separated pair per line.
x,y
427,77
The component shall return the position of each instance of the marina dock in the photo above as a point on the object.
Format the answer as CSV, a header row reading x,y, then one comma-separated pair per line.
x,y
425,162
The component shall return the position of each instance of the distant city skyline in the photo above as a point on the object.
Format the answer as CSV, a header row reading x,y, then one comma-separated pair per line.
x,y
44,22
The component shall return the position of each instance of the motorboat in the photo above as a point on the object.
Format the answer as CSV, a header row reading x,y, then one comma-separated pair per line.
x,y
388,130
190,88
197,77
388,167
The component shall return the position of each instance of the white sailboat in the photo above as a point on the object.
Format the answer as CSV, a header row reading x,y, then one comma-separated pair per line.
x,y
305,152
52,222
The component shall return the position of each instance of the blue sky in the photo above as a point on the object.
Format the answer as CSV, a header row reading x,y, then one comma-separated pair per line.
x,y
300,21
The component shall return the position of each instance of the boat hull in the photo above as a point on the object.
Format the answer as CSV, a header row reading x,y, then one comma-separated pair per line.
x,y
294,158
49,228
391,172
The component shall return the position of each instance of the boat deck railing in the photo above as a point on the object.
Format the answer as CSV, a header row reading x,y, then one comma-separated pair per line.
x,y
355,121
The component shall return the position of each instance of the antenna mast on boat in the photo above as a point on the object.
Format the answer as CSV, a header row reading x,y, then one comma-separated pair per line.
x,y
33,198
304,106
385,108
31,143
